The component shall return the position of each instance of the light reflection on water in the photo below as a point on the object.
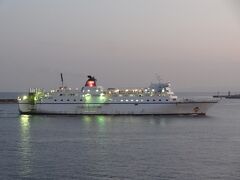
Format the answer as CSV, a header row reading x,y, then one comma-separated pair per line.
x,y
99,120
25,146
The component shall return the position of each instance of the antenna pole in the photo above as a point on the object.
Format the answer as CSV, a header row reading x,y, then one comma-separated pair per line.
x,y
62,79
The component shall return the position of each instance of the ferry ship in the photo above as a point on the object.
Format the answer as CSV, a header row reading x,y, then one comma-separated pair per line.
x,y
157,99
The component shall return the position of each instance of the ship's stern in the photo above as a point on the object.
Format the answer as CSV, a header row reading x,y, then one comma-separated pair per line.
x,y
27,103
24,105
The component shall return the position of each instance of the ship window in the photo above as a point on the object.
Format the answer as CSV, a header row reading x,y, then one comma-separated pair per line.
x,y
160,100
132,100
74,100
80,99
148,100
166,99
68,100
126,100
121,100
60,94
55,100
154,100
61,99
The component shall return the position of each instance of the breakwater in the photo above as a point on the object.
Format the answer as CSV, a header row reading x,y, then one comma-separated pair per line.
x,y
8,101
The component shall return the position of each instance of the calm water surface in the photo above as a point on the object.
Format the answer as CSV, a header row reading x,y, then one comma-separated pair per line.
x,y
121,147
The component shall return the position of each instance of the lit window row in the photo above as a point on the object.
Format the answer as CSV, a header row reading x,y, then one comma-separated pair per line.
x,y
141,100
97,90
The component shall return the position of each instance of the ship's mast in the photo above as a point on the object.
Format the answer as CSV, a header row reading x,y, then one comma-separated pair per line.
x,y
62,79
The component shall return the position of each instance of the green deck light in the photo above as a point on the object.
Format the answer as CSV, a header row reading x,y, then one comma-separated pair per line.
x,y
25,97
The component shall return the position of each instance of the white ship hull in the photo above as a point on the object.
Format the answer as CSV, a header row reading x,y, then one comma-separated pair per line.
x,y
171,108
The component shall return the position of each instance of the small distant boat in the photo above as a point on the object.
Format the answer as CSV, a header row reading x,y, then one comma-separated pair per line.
x,y
234,96
157,99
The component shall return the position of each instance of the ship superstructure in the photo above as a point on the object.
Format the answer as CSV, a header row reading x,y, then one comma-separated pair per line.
x,y
158,98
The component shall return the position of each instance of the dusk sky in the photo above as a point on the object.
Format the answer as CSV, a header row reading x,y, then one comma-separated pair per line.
x,y
194,44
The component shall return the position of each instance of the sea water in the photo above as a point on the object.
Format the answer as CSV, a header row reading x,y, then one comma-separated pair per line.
x,y
121,147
